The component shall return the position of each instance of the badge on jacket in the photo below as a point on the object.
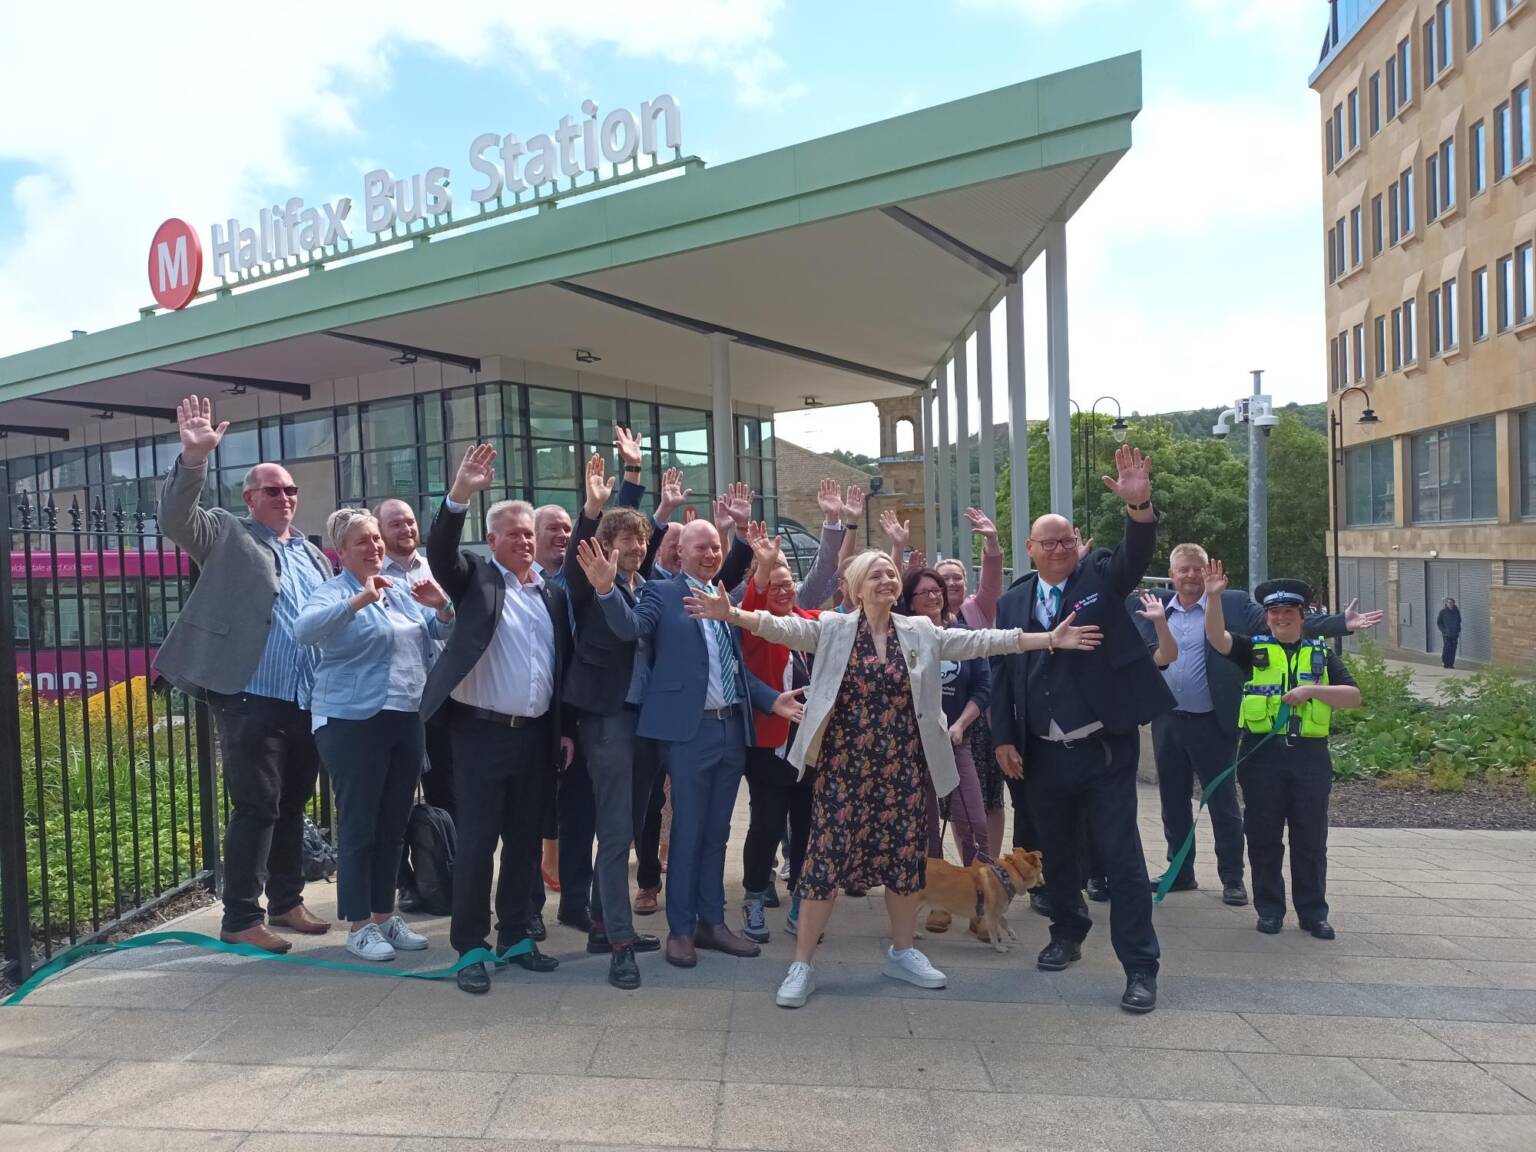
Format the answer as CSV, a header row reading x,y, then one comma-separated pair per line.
x,y
1085,602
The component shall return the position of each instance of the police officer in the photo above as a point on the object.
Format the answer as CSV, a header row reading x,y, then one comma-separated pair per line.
x,y
1286,773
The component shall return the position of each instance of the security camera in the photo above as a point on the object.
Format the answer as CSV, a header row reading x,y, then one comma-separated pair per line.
x,y
1220,431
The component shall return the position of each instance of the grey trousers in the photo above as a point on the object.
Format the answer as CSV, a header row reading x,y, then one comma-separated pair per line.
x,y
622,768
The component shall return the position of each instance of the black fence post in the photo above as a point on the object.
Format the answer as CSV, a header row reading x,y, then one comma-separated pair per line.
x,y
17,934
208,811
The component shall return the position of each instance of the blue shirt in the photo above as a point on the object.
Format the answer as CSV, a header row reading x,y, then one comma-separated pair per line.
x,y
287,668
1186,676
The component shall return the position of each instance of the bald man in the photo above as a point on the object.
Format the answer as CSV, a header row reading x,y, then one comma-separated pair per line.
x,y
1067,723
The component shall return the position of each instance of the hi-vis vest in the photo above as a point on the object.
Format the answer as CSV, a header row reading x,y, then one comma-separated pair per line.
x,y
1275,674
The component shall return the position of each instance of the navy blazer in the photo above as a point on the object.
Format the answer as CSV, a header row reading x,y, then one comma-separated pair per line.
x,y
1116,683
674,699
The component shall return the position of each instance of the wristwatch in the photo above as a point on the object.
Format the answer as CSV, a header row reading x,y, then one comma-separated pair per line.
x,y
1142,507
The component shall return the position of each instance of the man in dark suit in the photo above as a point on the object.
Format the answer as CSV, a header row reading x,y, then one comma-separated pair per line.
x,y
699,704
1448,621
496,686
1198,739
1067,722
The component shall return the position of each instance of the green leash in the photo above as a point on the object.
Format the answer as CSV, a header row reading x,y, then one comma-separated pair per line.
x,y
197,940
1282,721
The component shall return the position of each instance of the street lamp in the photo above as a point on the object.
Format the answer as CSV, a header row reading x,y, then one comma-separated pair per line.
x,y
1118,429
1335,461
1258,413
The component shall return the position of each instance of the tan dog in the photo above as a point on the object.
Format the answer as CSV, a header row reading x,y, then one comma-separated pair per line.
x,y
978,894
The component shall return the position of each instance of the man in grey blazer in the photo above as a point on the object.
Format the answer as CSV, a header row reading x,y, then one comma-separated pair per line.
x,y
233,644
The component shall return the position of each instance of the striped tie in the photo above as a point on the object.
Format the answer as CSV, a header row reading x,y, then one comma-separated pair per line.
x,y
730,669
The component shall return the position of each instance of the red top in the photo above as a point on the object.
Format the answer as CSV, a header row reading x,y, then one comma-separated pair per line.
x,y
767,661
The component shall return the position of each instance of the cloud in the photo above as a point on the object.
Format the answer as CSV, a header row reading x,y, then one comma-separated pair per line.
x,y
116,117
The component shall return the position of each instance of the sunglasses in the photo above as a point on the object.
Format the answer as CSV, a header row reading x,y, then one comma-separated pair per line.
x,y
273,491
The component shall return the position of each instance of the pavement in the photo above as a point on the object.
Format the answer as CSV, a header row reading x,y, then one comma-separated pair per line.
x,y
1426,680
1416,1029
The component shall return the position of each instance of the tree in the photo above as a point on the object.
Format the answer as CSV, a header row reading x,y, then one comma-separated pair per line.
x,y
1298,503
855,460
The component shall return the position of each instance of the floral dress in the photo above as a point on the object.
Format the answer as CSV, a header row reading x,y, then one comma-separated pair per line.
x,y
868,819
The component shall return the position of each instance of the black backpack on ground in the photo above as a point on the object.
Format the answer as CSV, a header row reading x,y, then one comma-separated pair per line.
x,y
319,855
431,846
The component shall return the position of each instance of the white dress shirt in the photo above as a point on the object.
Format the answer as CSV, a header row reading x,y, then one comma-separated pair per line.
x,y
714,695
516,673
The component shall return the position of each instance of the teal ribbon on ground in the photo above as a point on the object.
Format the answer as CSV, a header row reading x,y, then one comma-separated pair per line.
x,y
197,940
1282,721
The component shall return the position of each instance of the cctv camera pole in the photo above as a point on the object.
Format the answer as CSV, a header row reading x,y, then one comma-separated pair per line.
x,y
1258,494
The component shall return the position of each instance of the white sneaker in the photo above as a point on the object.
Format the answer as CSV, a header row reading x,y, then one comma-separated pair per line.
x,y
368,943
797,987
402,936
913,967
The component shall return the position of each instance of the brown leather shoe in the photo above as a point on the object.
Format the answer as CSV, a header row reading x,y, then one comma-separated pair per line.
x,y
680,952
645,901
259,935
719,938
300,919
938,920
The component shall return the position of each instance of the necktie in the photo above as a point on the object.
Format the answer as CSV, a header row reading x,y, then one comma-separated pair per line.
x,y
1053,605
730,673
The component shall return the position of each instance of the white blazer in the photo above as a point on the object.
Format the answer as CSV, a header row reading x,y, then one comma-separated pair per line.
x,y
923,646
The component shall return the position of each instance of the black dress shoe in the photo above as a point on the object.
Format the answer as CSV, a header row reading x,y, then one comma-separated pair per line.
x,y
623,972
1057,955
1140,992
536,961
474,979
855,891
409,901
771,895
1040,904
536,929
1234,894
1185,884
579,920
1319,928
597,943
1098,890
1269,925
645,942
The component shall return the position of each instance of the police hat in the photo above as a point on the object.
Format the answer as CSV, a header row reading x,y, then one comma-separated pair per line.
x,y
1284,594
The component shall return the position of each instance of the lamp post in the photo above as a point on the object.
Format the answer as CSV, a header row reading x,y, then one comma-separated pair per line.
x,y
1257,412
1118,429
1335,461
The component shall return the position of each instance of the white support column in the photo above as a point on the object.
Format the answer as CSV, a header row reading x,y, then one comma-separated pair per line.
x,y
944,541
986,463
1018,426
930,472
962,453
1060,374
725,423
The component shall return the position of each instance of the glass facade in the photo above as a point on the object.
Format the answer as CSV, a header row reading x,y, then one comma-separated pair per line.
x,y
1368,474
408,446
1454,472
1527,478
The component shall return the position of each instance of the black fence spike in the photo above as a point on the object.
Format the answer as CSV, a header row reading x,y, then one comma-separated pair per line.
x,y
118,519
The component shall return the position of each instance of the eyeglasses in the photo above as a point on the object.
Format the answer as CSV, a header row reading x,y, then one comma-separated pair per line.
x,y
1054,545
273,491
927,592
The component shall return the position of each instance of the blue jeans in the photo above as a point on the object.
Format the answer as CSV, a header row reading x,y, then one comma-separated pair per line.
x,y
706,775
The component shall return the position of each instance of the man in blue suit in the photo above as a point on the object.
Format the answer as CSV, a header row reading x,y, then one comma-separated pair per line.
x,y
699,706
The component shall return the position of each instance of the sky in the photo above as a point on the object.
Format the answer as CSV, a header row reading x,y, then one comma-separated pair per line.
x,y
1198,259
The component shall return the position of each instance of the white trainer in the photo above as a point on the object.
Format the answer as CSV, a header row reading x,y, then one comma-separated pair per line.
x,y
912,966
368,943
402,936
797,987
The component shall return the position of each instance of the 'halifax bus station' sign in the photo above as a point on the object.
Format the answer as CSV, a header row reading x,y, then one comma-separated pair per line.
x,y
293,234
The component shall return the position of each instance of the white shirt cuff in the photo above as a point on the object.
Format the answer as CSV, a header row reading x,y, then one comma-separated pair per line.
x,y
453,505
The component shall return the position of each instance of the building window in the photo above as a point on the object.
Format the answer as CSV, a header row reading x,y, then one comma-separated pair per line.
x,y
1434,321
1499,10
1480,304
1437,42
1410,331
1333,257
1521,132
1404,72
1356,239
1369,487
1450,315
1333,363
1394,222
1381,346
1474,23
1503,143
1357,340
1374,99
1525,284
1447,174
1354,119
1405,187
1528,463
1376,225
1477,140
1432,186
1397,338
1505,270
1454,474
1391,69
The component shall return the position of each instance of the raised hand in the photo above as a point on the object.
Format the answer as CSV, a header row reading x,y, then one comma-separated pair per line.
x,y
1083,546
371,592
429,593
629,447
765,548
1151,607
1215,578
725,523
896,530
1064,635
1355,620
738,498
917,561
599,486
789,705
476,471
199,435
601,568
830,498
710,604
1133,484
673,495
982,525
853,506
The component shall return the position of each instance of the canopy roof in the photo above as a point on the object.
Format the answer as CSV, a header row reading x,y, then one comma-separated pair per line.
x,y
844,268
